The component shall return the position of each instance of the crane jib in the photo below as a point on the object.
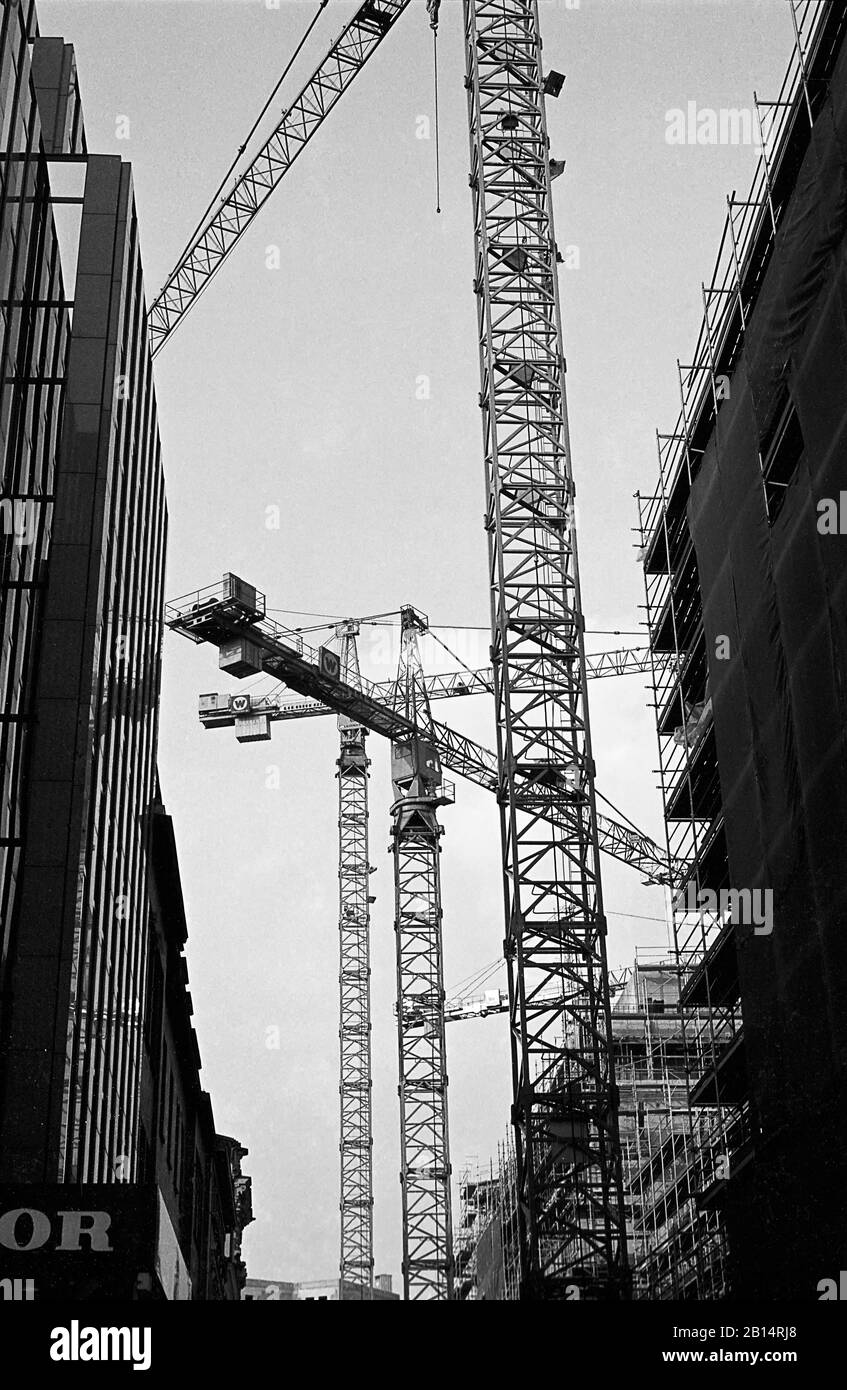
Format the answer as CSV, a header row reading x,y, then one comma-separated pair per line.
x,y
223,228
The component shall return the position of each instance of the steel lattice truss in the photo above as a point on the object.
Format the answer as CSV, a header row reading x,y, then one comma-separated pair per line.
x,y
421,1035
356,1265
568,1151
548,808
217,236
281,704
424,1153
205,616
469,759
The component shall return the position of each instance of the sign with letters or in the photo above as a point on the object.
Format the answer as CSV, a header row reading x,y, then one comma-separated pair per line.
x,y
66,1240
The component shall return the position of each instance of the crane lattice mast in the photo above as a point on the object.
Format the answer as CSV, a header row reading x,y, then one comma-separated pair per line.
x,y
354,976
572,1224
415,843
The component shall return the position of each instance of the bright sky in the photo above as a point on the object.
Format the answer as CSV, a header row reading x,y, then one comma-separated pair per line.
x,y
297,387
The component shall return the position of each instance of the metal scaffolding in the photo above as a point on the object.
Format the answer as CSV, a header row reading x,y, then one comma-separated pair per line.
x,y
690,785
487,1243
652,1061
567,1144
354,869
718,1122
415,842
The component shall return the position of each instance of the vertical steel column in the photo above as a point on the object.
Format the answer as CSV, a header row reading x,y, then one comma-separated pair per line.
x,y
355,989
424,1144
573,1232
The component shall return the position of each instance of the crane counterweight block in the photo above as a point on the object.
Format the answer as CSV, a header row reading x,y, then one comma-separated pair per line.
x,y
240,657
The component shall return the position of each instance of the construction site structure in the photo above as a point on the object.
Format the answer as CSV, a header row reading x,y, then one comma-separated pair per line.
x,y
571,1207
487,1240
653,1057
661,1172
227,219
354,977
720,1121
280,703
567,1147
232,616
309,670
425,1173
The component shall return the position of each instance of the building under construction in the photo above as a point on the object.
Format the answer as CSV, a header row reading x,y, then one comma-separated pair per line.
x,y
661,1125
705,1152
669,1257
746,574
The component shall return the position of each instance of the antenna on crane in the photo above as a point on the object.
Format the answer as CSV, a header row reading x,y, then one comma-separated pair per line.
x,y
432,8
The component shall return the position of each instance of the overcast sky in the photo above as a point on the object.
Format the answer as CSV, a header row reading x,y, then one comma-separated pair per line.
x,y
298,387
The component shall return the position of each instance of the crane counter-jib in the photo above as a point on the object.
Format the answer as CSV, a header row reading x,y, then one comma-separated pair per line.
x,y
231,616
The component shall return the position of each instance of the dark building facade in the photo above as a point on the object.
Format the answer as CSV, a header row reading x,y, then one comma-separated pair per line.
x,y
101,1107
747,609
204,1198
175,1231
34,341
85,650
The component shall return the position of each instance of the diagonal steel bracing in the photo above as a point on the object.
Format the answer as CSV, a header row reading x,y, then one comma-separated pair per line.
x,y
356,1144
558,987
283,704
218,234
565,1101
415,837
205,615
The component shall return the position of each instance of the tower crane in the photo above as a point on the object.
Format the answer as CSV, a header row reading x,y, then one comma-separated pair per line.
x,y
281,704
232,616
571,1207
224,224
217,614
572,1225
419,789
354,976
415,841
459,1008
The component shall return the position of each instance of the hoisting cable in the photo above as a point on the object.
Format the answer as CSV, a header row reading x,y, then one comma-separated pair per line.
x,y
436,638
433,6
477,980
211,209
